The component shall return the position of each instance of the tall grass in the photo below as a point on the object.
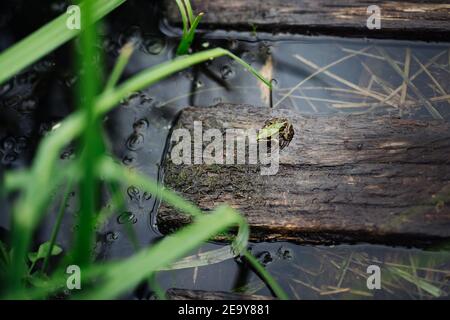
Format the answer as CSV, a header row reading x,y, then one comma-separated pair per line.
x,y
92,147
36,184
190,24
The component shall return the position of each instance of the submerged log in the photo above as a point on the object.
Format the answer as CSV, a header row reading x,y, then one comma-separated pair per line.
x,y
341,179
184,294
399,18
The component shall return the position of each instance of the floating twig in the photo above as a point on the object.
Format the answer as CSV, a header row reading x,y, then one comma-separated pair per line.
x,y
370,55
343,81
318,71
406,76
416,91
425,69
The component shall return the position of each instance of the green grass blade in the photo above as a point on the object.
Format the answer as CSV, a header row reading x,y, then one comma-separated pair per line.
x,y
113,172
189,11
15,180
150,76
92,145
56,227
267,82
423,284
27,211
122,61
153,285
270,281
204,259
115,278
45,40
184,17
153,75
126,275
186,41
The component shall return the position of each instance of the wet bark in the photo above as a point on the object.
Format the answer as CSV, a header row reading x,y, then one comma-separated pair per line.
x,y
399,19
341,179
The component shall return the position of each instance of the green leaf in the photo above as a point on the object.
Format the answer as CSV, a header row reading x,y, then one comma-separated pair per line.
x,y
184,17
269,131
188,37
121,63
39,280
189,10
42,252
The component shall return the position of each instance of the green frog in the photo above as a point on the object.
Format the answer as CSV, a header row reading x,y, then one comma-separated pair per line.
x,y
280,126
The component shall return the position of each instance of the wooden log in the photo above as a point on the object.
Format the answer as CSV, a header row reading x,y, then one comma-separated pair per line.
x,y
341,179
399,18
184,294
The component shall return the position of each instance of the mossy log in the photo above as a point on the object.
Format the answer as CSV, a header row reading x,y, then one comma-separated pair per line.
x,y
341,179
399,18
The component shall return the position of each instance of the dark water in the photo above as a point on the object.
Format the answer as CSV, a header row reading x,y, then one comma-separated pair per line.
x,y
358,82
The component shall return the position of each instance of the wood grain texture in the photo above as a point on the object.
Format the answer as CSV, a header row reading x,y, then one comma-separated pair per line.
x,y
184,294
401,18
342,179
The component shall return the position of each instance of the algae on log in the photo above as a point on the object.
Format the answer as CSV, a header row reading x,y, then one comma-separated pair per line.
x,y
412,19
341,179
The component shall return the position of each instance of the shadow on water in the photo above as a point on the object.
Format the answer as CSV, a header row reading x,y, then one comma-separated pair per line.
x,y
353,76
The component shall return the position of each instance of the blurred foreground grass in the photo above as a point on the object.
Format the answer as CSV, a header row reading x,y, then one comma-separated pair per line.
x,y
21,272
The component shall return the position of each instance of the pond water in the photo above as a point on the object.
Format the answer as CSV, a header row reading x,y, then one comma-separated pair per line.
x,y
352,76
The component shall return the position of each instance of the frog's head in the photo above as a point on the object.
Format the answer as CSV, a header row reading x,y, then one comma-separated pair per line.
x,y
280,127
